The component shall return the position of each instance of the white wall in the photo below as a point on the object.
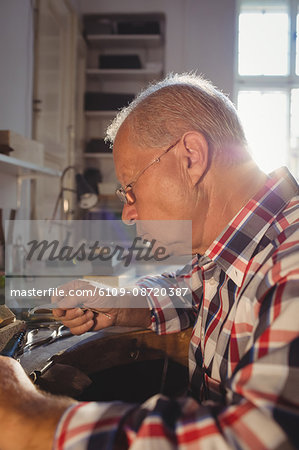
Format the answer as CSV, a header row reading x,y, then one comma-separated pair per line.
x,y
210,40
16,80
199,33
16,65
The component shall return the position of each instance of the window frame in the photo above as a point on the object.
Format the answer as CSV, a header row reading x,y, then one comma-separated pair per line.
x,y
285,83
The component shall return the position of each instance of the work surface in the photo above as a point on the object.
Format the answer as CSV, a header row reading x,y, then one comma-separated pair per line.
x,y
109,348
36,358
118,363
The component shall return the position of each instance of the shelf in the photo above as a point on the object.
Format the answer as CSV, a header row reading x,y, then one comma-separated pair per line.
x,y
150,49
95,114
137,40
18,167
98,155
130,72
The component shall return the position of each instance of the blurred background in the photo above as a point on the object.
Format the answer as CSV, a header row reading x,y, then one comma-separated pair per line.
x,y
68,65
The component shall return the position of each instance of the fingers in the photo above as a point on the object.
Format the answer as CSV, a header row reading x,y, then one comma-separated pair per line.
x,y
70,302
76,320
76,317
58,313
68,291
87,326
75,293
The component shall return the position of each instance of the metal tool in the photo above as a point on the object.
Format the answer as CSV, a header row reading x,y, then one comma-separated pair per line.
x,y
36,374
36,337
51,306
14,345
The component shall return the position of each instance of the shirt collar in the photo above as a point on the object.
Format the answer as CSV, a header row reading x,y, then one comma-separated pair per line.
x,y
234,247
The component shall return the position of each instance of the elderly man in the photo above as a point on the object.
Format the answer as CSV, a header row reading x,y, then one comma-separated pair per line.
x,y
180,154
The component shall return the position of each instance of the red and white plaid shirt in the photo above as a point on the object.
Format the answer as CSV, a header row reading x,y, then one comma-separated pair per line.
x,y
244,350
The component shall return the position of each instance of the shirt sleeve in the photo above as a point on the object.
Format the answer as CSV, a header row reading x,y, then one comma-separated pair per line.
x,y
260,410
170,297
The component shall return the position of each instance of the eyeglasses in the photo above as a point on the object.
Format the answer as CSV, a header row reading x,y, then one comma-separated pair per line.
x,y
126,194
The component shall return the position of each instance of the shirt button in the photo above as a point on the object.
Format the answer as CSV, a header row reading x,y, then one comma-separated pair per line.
x,y
212,282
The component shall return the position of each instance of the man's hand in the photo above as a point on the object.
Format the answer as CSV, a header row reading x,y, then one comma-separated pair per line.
x,y
28,417
112,310
78,319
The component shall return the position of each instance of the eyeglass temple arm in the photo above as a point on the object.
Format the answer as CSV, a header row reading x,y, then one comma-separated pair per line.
x,y
157,159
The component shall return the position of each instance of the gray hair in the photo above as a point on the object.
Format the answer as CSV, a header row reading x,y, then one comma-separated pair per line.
x,y
181,102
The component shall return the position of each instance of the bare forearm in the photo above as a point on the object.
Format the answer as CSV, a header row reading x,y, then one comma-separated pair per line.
x,y
35,424
134,317
133,310
28,417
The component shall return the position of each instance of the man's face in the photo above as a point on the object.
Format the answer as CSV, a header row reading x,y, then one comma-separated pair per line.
x,y
160,193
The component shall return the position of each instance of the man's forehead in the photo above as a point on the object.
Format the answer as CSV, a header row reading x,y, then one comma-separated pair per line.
x,y
123,142
127,156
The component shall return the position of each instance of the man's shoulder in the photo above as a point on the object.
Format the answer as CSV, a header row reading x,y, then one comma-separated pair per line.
x,y
282,262
287,229
278,255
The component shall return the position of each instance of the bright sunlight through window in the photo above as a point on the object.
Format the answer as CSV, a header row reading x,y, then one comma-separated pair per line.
x,y
262,49
267,81
266,130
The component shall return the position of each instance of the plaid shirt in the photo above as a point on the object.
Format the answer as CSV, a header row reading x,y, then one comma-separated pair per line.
x,y
244,350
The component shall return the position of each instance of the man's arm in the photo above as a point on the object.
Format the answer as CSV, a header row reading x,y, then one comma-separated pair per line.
x,y
262,397
28,417
111,312
261,409
163,303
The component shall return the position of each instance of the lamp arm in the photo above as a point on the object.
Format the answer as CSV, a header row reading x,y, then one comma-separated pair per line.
x,y
64,173
56,204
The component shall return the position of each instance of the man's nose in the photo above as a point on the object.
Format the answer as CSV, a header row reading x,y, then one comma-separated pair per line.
x,y
129,214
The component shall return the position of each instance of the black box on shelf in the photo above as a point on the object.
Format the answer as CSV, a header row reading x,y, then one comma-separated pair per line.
x,y
138,27
98,25
100,101
119,62
97,146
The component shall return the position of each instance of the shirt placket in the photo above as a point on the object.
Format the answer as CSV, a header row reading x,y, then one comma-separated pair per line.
x,y
204,315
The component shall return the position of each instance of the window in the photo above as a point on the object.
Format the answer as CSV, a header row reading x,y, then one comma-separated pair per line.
x,y
267,81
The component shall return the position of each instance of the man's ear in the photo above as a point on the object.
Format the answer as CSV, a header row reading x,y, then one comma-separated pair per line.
x,y
196,155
